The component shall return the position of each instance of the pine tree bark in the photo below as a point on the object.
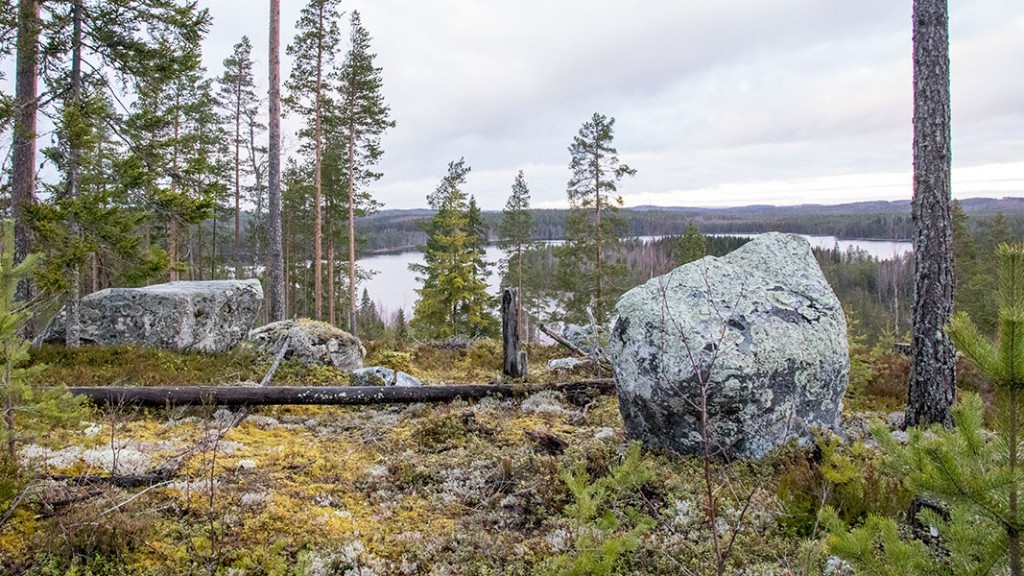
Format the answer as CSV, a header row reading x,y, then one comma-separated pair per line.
x,y
933,365
318,288
276,271
23,153
72,337
353,327
238,181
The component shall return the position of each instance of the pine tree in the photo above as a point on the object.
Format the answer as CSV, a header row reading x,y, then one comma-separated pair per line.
x,y
275,256
237,97
593,226
23,147
364,118
973,476
933,364
453,299
178,136
313,51
256,192
516,238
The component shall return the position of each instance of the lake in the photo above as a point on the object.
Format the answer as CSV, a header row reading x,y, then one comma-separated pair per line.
x,y
394,285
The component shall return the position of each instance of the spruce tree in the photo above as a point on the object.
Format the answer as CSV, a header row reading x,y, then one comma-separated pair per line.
x,y
691,245
593,227
453,299
364,117
515,234
86,42
313,51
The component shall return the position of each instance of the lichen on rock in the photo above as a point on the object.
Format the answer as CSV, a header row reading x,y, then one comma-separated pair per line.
x,y
311,342
760,326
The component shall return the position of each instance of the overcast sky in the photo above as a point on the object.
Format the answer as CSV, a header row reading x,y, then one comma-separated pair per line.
x,y
724,103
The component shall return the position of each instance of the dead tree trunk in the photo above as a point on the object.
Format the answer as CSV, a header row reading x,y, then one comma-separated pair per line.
x,y
316,395
514,365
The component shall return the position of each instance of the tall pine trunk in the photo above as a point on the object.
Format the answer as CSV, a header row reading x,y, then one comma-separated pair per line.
x,y
352,325
933,366
238,181
318,250
72,336
276,272
23,161
597,236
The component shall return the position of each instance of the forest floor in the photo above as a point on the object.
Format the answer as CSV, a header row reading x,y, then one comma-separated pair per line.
x,y
541,484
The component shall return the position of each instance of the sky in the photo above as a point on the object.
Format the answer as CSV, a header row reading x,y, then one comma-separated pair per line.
x,y
716,104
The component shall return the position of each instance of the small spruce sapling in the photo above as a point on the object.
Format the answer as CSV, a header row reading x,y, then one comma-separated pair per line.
x,y
604,533
972,475
23,409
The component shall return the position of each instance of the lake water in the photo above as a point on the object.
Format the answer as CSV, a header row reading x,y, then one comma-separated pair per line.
x,y
394,285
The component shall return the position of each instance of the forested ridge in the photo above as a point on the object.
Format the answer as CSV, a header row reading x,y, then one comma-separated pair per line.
x,y
390,230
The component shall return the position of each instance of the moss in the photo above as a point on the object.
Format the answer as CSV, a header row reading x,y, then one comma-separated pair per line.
x,y
454,488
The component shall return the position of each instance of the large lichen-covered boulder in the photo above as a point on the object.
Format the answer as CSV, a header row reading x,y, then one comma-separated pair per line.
x,y
760,329
311,342
211,316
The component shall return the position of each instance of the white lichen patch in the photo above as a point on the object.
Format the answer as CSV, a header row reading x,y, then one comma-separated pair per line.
x,y
545,402
118,460
33,455
254,499
263,422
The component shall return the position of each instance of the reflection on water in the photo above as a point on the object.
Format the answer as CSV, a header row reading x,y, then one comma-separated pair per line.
x,y
394,285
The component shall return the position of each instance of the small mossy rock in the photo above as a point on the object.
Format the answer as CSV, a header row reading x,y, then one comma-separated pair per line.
x,y
381,376
311,342
210,316
760,325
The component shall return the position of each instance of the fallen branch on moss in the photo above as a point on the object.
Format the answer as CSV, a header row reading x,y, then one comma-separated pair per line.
x,y
319,395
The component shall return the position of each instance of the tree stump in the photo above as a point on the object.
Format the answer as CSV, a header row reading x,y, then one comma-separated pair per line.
x,y
514,364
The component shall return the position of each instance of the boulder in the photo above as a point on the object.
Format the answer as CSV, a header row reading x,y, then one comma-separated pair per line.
x,y
381,376
565,367
211,316
760,326
311,342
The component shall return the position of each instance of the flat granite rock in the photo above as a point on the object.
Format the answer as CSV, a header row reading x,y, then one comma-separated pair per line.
x,y
760,327
210,316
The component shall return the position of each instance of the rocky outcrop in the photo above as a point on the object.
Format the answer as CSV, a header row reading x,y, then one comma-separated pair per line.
x,y
381,376
760,327
212,316
311,342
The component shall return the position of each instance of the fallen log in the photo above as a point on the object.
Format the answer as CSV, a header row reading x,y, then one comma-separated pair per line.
x,y
318,395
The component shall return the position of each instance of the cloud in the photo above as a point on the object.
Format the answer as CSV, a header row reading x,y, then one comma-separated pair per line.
x,y
719,100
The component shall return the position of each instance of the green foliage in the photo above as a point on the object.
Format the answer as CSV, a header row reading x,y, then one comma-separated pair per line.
x,y
878,373
848,480
588,273
606,527
453,299
691,245
24,410
515,233
973,477
877,548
